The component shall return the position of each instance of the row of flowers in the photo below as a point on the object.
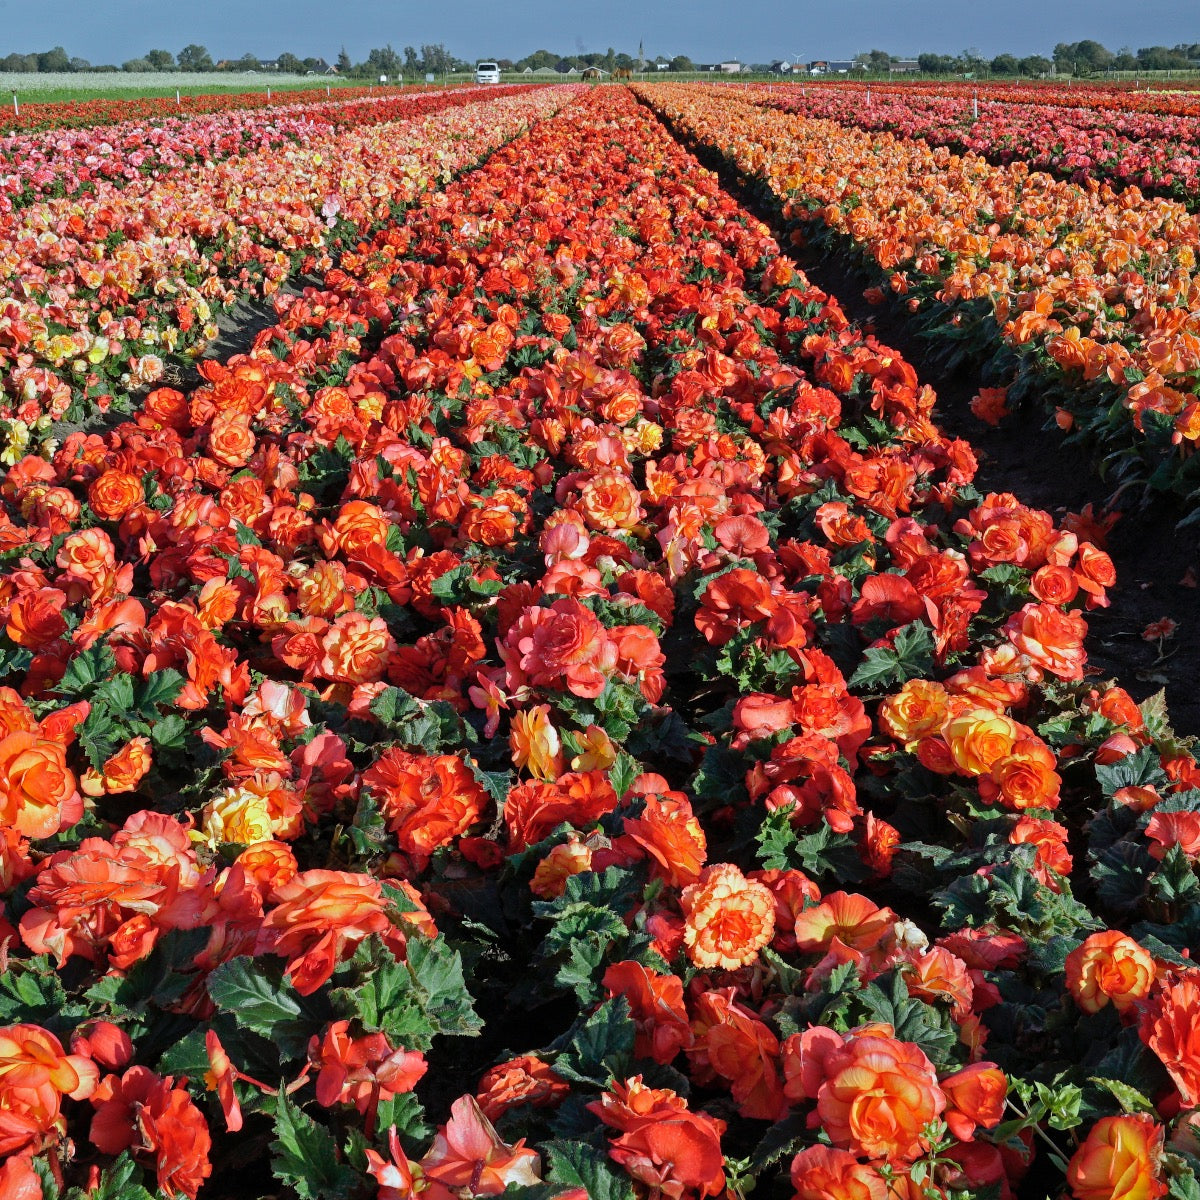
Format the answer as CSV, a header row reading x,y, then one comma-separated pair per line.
x,y
36,166
102,290
32,116
1147,149
565,626
1079,295
1117,98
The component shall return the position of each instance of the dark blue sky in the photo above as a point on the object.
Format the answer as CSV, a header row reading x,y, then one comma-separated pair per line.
x,y
752,30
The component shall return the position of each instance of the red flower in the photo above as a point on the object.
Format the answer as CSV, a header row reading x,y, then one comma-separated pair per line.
x,y
144,1113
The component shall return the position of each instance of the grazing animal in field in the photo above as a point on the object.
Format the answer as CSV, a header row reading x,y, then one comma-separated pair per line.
x,y
621,73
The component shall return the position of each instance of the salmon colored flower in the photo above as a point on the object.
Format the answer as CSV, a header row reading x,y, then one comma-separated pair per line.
x,y
467,1153
1119,1160
38,795
362,1071
826,1173
1050,638
562,644
523,1080
1170,1026
728,918
572,857
878,1096
975,1099
1109,968
219,1078
35,1074
1168,829
675,1153
319,917
356,649
535,743
656,1005
427,799
732,1044
122,772
145,1114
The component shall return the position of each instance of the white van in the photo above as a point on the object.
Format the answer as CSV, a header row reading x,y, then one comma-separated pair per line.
x,y
487,72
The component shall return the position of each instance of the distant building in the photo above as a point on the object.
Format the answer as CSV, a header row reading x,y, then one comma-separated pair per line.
x,y
843,66
818,67
904,65
731,67
781,68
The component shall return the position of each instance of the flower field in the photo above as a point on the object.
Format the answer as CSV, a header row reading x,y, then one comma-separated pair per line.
x,y
1083,296
101,283
556,718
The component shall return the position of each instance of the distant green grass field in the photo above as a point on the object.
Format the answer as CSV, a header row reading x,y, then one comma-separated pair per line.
x,y
64,88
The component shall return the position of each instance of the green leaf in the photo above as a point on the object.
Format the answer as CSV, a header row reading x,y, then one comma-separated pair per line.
x,y
437,973
88,668
910,657
623,772
120,1180
257,996
304,1156
1128,1097
783,1140
578,1164
601,1046
1143,769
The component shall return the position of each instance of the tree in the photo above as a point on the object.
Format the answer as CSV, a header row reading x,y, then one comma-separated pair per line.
x,y
384,61
1125,60
343,64
1091,56
54,60
1005,64
20,64
82,64
938,64
135,65
877,60
681,62
436,58
160,60
248,62
412,64
290,64
1035,66
195,58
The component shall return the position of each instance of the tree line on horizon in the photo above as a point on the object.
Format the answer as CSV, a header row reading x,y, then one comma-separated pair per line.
x,y
1084,58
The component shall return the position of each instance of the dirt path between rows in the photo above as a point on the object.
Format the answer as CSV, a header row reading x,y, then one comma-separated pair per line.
x,y
1157,566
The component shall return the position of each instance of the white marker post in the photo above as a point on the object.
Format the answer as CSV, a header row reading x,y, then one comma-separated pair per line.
x,y
268,93
975,106
178,101
16,106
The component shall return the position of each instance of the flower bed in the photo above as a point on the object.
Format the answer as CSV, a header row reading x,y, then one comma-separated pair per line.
x,y
1079,296
70,163
564,628
1157,152
74,114
100,290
